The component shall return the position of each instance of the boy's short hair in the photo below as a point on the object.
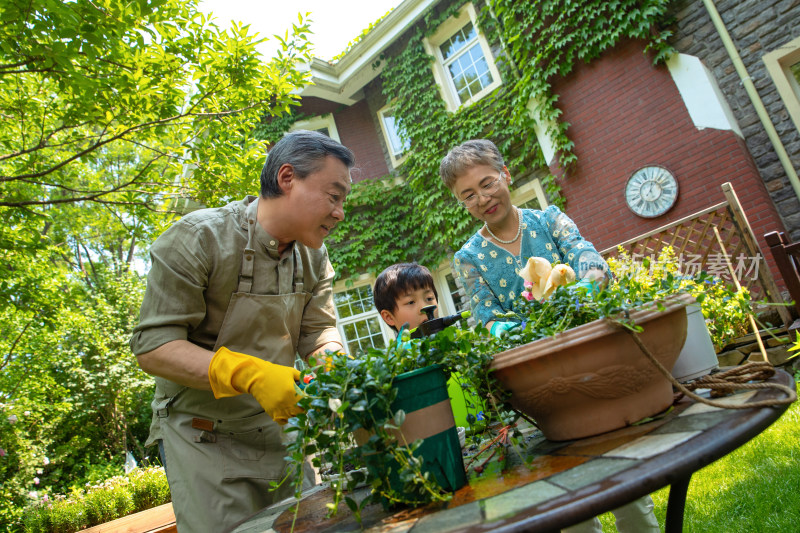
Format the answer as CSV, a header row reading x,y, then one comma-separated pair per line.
x,y
398,280
467,155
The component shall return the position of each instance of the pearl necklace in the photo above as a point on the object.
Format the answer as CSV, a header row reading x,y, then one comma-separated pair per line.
x,y
519,230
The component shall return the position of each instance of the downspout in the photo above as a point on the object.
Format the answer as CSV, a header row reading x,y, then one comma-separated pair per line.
x,y
755,99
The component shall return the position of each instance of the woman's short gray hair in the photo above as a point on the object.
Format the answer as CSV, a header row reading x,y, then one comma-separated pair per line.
x,y
467,155
305,151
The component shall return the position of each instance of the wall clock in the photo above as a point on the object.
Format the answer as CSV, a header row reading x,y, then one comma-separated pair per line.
x,y
651,191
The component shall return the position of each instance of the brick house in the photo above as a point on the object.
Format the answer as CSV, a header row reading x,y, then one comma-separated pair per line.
x,y
692,116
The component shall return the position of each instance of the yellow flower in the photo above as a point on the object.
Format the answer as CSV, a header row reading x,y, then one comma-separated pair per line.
x,y
483,267
501,297
484,244
503,283
509,260
481,256
493,254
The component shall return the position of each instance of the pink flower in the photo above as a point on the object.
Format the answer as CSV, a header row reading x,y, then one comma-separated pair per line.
x,y
13,419
527,295
36,481
46,461
527,284
2,452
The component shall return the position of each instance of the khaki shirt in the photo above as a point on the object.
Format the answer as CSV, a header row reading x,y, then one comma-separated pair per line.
x,y
195,270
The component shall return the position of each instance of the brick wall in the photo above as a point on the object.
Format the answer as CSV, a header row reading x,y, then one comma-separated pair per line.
x,y
756,27
356,131
626,113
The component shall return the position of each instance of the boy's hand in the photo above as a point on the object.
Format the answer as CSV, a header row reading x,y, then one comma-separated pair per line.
x,y
500,329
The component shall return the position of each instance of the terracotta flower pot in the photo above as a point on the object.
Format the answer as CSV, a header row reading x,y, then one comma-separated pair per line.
x,y
594,378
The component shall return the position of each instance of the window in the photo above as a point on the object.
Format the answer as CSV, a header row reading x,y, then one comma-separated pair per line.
x,y
783,66
324,124
396,144
359,322
463,66
529,196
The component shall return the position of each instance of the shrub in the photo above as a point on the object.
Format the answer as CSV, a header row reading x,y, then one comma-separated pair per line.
x,y
725,309
141,489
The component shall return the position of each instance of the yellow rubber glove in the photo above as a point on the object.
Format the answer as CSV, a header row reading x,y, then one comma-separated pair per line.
x,y
233,373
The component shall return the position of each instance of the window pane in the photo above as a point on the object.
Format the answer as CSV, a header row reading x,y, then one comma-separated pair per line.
x,y
796,71
396,144
533,203
460,303
470,73
364,334
323,131
459,39
353,301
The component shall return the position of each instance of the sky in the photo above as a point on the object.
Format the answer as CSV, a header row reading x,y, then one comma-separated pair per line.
x,y
334,23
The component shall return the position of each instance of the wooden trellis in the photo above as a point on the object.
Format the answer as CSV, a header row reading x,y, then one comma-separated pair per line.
x,y
696,248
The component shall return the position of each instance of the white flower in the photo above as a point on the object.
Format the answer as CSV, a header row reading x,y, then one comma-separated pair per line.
x,y
36,481
580,245
475,298
509,260
13,419
560,275
524,225
512,295
533,234
481,256
501,297
39,471
503,283
27,413
493,254
483,267
571,257
548,246
555,256
33,495
484,244
487,303
46,461
335,404
555,233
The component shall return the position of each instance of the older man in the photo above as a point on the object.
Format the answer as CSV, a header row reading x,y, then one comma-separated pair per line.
x,y
233,294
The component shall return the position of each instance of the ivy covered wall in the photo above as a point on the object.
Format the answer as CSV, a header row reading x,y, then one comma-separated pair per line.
x,y
416,218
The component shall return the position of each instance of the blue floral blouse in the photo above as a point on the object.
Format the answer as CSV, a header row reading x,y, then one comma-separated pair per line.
x,y
490,274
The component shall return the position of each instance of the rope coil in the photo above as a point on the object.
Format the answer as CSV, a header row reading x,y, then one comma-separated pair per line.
x,y
737,378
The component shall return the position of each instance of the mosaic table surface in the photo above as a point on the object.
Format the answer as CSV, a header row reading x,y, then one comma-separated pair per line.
x,y
558,483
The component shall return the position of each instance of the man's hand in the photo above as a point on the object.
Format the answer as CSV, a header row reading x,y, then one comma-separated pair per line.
x,y
232,373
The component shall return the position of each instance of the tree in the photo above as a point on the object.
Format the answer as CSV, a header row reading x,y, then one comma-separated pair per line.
x,y
83,82
112,113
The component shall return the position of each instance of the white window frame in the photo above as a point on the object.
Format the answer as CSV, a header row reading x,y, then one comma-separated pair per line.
x,y
396,159
778,63
440,74
446,304
525,193
363,280
317,123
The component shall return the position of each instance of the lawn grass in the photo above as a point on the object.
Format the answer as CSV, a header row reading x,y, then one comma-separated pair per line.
x,y
755,488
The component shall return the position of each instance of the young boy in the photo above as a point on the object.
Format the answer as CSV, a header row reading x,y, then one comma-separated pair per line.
x,y
400,293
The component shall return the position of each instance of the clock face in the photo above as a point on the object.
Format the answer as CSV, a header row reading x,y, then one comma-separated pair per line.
x,y
651,191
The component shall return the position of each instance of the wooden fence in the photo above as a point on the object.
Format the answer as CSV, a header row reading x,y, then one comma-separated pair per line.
x,y
696,248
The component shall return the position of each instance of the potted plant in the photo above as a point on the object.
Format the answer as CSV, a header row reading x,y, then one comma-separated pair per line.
x,y
361,395
384,418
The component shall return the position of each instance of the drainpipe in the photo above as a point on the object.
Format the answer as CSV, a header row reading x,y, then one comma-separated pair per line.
x,y
755,99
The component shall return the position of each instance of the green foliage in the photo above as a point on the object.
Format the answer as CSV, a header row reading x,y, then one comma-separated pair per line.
x,y
541,40
726,309
111,111
118,496
356,394
359,37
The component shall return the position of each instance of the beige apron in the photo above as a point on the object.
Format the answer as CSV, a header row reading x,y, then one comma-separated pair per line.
x,y
221,455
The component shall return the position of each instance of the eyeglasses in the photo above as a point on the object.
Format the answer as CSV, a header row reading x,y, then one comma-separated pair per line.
x,y
486,190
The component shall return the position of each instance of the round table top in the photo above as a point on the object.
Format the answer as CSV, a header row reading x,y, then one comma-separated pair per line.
x,y
558,484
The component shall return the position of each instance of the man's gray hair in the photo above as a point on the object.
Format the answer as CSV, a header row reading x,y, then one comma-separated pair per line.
x,y
305,151
467,155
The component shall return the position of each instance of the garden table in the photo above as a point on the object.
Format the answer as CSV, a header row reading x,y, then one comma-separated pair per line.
x,y
561,483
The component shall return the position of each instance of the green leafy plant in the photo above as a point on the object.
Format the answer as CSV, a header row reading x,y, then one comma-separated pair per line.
x,y
356,394
116,497
726,309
